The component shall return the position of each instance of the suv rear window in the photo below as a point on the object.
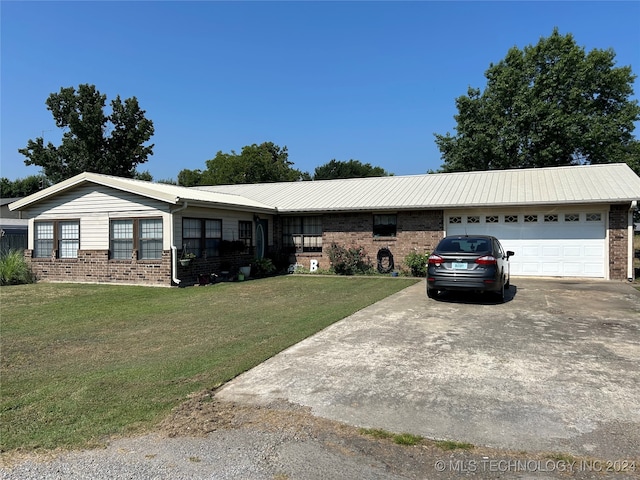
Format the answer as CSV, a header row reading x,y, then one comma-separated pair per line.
x,y
465,245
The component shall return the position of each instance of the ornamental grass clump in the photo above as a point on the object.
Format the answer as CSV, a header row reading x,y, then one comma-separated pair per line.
x,y
14,270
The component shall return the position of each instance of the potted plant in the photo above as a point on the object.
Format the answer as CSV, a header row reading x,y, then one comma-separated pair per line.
x,y
186,257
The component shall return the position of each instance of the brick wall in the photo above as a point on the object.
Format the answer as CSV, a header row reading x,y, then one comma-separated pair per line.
x,y
417,231
618,246
94,266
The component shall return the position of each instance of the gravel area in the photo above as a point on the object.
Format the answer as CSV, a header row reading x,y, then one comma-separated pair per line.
x,y
208,439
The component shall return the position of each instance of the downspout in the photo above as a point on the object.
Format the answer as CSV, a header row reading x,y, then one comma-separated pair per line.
x,y
630,237
174,249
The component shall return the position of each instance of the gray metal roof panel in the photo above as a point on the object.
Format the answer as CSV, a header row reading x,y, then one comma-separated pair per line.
x,y
576,184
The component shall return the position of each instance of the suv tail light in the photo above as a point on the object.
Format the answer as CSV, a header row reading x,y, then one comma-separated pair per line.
x,y
435,260
487,260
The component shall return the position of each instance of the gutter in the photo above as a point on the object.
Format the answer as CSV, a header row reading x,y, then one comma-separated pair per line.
x,y
630,236
174,249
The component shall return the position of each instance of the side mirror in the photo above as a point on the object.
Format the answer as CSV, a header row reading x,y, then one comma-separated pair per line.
x,y
510,254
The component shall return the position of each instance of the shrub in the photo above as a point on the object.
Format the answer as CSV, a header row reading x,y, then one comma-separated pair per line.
x,y
417,263
14,270
351,261
263,267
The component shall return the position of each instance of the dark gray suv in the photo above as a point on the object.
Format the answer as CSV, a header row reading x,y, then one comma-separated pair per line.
x,y
468,262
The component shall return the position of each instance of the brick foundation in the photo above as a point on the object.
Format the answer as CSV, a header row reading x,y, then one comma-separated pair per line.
x,y
94,266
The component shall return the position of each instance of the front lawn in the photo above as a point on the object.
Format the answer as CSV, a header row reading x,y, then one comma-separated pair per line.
x,y
81,362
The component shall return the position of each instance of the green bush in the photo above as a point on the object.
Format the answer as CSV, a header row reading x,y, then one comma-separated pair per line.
x,y
349,261
417,263
14,270
263,267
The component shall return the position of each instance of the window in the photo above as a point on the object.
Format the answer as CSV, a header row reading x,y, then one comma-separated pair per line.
x,y
530,218
455,219
43,239
571,217
150,246
594,217
302,234
121,239
245,230
384,225
492,219
192,235
61,236
202,236
511,219
473,219
146,233
212,237
551,218
69,239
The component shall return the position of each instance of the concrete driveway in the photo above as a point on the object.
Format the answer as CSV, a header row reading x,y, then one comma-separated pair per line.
x,y
555,368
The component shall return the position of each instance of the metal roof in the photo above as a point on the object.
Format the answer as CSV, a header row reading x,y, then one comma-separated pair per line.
x,y
172,194
606,183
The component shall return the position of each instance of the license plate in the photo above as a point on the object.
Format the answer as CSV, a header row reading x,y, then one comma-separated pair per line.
x,y
458,266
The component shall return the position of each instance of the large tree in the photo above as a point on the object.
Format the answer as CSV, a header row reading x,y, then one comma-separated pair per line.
x,y
262,163
551,104
93,141
350,169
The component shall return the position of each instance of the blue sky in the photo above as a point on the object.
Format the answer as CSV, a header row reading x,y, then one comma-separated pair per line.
x,y
371,81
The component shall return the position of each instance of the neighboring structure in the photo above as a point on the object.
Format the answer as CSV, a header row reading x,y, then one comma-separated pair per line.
x,y
13,230
565,221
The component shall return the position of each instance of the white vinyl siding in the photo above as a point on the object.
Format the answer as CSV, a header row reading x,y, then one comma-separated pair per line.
x,y
94,206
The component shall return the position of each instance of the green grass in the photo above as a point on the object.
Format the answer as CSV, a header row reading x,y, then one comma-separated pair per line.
x,y
399,438
81,362
452,445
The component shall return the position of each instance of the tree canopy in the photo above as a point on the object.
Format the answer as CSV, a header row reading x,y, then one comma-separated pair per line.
x,y
350,169
92,141
262,163
22,187
551,104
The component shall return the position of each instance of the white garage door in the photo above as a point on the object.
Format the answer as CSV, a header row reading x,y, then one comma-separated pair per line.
x,y
566,244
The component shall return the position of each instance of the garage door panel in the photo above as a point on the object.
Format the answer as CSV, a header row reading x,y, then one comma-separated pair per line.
x,y
571,251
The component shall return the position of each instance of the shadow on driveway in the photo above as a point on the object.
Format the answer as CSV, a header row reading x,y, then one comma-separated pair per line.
x,y
480,298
